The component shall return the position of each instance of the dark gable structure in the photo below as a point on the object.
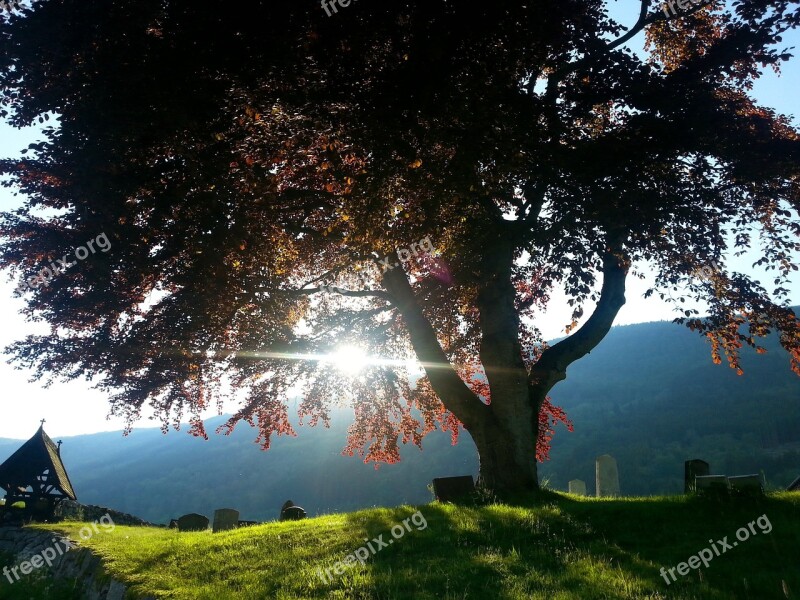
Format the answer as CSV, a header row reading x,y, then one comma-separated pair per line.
x,y
35,475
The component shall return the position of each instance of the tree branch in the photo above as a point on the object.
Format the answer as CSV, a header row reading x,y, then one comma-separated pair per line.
x,y
451,389
494,211
552,366
643,21
534,201
555,77
347,320
640,24
351,293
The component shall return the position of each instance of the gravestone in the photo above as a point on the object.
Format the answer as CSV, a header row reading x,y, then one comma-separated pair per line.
x,y
293,513
794,486
225,519
577,486
606,476
452,489
692,469
193,522
247,523
746,485
711,485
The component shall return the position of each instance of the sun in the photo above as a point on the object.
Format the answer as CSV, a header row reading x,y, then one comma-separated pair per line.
x,y
349,359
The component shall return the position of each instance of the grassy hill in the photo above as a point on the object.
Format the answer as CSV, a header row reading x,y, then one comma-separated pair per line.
x,y
562,548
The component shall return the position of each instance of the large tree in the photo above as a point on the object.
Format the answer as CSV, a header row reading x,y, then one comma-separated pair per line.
x,y
255,168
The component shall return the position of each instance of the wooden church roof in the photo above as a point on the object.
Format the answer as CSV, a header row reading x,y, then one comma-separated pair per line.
x,y
38,454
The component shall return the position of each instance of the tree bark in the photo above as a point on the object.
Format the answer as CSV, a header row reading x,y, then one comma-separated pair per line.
x,y
507,442
507,452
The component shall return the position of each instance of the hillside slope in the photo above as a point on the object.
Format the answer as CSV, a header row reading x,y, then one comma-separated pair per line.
x,y
561,548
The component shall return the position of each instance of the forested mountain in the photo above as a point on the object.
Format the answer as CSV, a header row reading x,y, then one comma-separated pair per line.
x,y
649,395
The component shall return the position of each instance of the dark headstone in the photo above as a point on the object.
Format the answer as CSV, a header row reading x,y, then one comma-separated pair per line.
x,y
794,486
746,485
692,469
293,513
712,485
577,486
193,522
225,519
452,489
247,523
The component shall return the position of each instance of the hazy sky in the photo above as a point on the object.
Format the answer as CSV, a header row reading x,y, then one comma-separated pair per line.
x,y
74,408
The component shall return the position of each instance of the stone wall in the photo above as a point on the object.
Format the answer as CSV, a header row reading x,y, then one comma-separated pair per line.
x,y
68,509
76,564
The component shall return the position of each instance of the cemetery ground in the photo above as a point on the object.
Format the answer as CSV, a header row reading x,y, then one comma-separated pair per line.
x,y
560,546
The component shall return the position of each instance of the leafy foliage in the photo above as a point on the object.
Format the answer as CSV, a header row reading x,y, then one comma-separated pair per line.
x,y
242,164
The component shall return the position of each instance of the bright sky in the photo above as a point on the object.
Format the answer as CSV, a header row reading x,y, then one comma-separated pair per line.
x,y
74,408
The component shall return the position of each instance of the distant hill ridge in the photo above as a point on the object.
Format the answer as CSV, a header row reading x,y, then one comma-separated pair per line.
x,y
649,395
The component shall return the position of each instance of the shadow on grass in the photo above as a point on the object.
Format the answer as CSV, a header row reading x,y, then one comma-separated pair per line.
x,y
34,585
558,544
668,531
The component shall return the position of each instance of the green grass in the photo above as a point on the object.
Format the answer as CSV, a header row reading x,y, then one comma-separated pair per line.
x,y
562,547
34,586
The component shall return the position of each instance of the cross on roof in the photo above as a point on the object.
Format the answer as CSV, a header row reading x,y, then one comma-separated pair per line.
x,y
42,422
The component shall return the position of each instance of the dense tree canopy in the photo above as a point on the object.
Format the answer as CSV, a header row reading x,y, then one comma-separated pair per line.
x,y
256,169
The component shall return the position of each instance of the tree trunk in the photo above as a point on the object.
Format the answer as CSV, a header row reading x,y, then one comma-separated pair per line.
x,y
507,453
506,430
507,441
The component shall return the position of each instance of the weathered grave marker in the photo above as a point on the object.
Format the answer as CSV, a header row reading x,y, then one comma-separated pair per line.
x,y
712,485
746,485
292,512
193,522
453,489
225,519
577,486
606,476
247,523
691,469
